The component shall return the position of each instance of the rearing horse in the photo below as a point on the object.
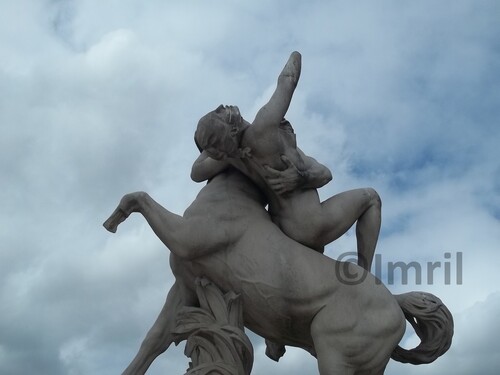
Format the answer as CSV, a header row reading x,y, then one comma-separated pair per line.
x,y
291,294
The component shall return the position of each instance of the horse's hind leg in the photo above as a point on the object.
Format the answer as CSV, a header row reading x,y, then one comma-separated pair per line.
x,y
332,364
341,348
330,360
159,337
330,344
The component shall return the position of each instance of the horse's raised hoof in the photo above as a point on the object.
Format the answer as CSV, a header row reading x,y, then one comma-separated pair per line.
x,y
116,218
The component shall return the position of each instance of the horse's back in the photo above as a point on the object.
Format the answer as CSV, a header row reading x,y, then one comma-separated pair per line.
x,y
284,285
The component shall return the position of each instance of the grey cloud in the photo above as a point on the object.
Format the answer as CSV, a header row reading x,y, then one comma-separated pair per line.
x,y
100,100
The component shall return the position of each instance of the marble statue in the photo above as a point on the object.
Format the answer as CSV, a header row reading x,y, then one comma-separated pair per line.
x,y
265,148
291,293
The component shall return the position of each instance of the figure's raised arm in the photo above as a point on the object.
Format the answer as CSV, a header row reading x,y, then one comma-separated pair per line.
x,y
275,109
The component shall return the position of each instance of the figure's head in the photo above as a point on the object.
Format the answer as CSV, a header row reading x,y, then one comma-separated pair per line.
x,y
219,132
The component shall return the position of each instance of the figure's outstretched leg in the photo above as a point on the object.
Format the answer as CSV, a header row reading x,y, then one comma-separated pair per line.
x,y
341,211
368,229
159,337
187,238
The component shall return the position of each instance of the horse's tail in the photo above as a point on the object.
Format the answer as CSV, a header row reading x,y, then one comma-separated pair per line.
x,y
433,324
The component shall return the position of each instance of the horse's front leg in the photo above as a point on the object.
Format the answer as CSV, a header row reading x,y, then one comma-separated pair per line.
x,y
129,203
160,335
173,230
188,238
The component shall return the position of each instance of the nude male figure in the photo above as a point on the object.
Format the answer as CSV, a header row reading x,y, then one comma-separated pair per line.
x,y
266,151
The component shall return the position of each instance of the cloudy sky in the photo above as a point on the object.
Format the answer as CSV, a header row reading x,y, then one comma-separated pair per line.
x,y
101,98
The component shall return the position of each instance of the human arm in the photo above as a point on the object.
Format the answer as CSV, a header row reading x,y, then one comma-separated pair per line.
x,y
204,167
314,175
275,109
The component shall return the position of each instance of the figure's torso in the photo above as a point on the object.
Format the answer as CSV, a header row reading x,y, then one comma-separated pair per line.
x,y
290,210
267,145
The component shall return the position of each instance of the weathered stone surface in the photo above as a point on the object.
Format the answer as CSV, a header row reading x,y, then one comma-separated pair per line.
x,y
216,341
291,293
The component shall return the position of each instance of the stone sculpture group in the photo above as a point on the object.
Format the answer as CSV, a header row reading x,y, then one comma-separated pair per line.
x,y
290,293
